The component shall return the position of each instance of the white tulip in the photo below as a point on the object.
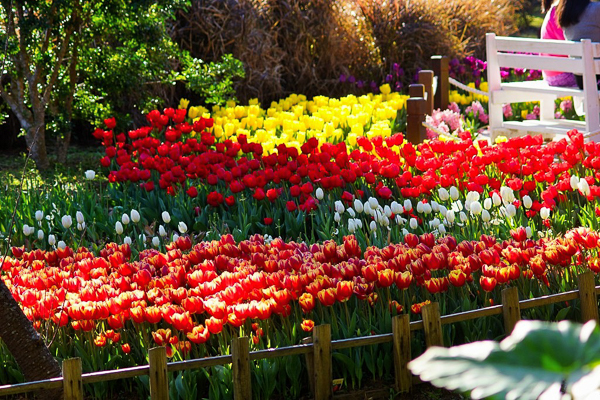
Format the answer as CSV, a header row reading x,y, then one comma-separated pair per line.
x,y
400,220
182,227
358,206
396,208
351,212
127,240
405,231
367,208
442,210
135,216
373,226
427,208
463,217
81,226
51,240
62,245
166,217
476,208
529,232
387,211
443,193
336,217
27,230
527,202
584,187
90,174
176,236
407,205
118,227
441,229
419,207
79,217
67,221
511,210
319,194
485,216
487,203
497,200
413,223
339,207
155,241
351,226
39,215
507,194
161,231
434,223
574,182
40,234
450,217
454,193
358,223
545,213
125,219
435,206
373,202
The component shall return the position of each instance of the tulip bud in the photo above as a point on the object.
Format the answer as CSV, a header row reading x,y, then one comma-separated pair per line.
x,y
339,207
125,219
127,240
81,226
373,202
387,211
511,211
182,227
358,206
527,202
487,203
62,245
367,208
351,226
39,215
396,208
351,212
529,232
405,231
450,217
67,221
90,174
441,229
496,199
419,207
27,230
413,223
454,193
443,193
358,223
319,194
373,225
476,208
463,217
40,234
166,217
584,187
407,205
79,217
51,240
337,218
574,182
485,216
135,216
385,221
545,213
118,227
161,231
155,241
442,210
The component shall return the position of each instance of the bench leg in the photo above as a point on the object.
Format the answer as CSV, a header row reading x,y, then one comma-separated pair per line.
x,y
547,107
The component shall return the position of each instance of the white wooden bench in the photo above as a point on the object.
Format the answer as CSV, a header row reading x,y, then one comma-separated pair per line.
x,y
583,58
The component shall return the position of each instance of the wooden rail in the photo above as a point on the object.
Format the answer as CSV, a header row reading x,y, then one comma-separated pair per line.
x,y
317,350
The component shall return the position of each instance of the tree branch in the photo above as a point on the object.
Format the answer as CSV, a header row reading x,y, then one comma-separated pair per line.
x,y
55,70
40,67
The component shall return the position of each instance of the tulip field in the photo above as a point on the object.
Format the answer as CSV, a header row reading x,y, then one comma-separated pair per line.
x,y
247,220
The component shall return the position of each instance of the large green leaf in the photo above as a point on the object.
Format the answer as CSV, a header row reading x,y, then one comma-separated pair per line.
x,y
537,358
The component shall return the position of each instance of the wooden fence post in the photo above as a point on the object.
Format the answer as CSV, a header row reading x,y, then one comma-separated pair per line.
x,y
401,334
72,383
322,362
415,116
432,325
511,309
159,382
441,69
416,90
310,364
240,366
587,296
426,79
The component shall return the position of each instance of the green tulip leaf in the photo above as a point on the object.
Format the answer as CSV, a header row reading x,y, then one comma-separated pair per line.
x,y
537,358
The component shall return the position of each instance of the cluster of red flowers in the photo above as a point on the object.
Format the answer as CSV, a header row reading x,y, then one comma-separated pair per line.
x,y
166,153
197,289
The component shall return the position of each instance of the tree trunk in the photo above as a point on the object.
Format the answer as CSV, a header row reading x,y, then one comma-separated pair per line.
x,y
36,142
23,342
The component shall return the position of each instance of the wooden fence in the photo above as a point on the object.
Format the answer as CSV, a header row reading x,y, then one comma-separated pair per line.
x,y
317,350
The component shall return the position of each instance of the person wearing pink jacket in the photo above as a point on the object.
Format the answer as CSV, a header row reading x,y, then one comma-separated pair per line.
x,y
552,30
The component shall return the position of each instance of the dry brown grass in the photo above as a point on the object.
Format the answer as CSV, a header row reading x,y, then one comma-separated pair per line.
x,y
303,46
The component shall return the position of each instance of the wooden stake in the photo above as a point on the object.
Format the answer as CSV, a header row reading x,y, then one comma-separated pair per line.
x,y
401,333
240,354
426,79
441,69
415,116
587,296
510,308
322,362
159,382
432,325
310,365
416,90
72,383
